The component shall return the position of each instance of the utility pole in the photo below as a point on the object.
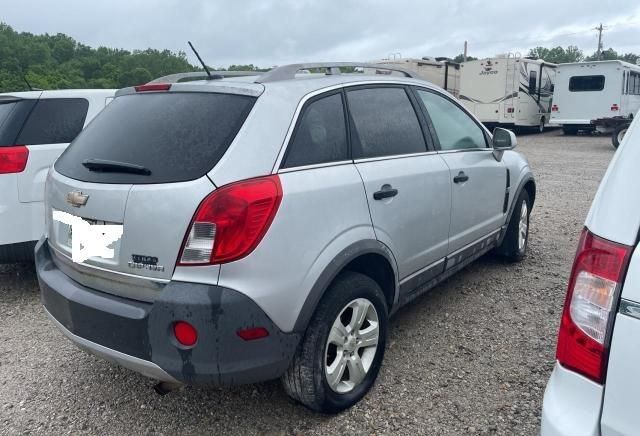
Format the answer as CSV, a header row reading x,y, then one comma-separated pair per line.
x,y
464,53
600,28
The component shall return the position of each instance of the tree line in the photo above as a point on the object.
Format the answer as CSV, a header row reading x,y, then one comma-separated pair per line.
x,y
60,62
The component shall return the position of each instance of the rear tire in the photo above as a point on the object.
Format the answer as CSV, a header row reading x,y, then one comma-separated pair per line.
x,y
320,375
17,253
618,135
515,242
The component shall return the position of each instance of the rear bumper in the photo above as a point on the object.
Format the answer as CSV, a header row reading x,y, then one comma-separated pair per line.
x,y
138,335
571,405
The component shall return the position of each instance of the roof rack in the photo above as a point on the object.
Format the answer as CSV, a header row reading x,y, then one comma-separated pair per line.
x,y
202,75
287,72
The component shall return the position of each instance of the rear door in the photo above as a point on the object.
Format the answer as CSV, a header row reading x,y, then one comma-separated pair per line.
x,y
51,126
142,164
407,185
479,181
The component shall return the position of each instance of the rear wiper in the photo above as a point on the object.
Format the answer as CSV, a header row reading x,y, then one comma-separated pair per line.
x,y
113,166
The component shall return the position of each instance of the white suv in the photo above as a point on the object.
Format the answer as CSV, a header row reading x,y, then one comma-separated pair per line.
x,y
35,127
593,389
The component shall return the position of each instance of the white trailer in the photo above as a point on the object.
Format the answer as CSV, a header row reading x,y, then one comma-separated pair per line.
x,y
508,90
441,72
595,95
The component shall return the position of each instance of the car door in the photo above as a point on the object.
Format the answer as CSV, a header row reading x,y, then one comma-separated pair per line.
x,y
479,181
406,183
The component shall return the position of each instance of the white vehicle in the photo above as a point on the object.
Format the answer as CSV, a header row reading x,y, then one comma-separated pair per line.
x,y
35,127
441,72
588,91
508,90
594,388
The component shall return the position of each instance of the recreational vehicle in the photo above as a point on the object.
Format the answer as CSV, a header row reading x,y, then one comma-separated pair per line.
x,y
441,72
508,90
590,95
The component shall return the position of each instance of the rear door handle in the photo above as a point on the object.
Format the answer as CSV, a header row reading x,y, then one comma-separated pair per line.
x,y
385,192
460,178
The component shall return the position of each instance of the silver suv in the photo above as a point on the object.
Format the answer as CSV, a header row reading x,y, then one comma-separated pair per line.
x,y
271,224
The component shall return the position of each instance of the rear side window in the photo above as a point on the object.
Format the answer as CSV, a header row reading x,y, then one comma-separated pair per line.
x,y
54,121
176,136
321,135
385,123
586,83
13,113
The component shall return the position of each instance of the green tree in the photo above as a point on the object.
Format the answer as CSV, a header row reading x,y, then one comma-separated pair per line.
x,y
557,55
460,58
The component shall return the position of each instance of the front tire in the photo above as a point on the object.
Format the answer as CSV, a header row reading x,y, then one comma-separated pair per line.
x,y
341,353
541,125
515,242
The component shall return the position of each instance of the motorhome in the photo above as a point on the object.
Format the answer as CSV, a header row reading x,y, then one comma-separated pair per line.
x,y
508,90
589,91
442,72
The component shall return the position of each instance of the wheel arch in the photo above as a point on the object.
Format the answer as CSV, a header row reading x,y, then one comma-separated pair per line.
x,y
369,257
527,183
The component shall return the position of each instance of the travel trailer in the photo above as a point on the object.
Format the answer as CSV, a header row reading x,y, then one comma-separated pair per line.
x,y
508,90
442,72
593,95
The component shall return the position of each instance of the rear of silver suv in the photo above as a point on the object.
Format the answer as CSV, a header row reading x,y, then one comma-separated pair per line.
x,y
271,225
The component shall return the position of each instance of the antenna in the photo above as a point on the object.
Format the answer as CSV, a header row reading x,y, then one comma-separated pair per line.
x,y
24,77
201,61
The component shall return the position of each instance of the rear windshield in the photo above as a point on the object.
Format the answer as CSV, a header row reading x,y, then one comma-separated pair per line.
x,y
175,136
586,83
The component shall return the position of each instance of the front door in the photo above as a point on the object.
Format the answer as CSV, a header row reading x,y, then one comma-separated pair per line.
x,y
478,180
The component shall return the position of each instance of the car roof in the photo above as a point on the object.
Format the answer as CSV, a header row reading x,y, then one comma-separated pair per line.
x,y
62,93
614,215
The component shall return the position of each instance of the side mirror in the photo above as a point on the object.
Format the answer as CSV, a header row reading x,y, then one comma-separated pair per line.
x,y
504,139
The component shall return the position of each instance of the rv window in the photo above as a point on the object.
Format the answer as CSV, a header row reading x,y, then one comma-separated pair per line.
x,y
533,78
586,83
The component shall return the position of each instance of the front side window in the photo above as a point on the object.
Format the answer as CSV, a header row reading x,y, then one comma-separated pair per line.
x,y
586,83
321,135
54,121
385,123
455,129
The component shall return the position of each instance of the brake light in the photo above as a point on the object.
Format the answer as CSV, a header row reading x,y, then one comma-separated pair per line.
x,y
614,107
554,108
230,223
13,159
153,87
585,327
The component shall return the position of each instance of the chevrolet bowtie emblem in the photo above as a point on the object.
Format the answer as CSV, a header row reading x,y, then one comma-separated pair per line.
x,y
77,198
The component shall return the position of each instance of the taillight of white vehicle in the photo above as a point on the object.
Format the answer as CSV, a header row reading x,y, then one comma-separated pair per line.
x,y
554,108
13,159
614,107
587,317
230,222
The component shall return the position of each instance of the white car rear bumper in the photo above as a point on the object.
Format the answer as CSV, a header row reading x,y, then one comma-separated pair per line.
x,y
572,405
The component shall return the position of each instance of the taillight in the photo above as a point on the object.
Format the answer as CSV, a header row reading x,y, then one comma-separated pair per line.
x,y
510,110
587,317
153,87
614,107
230,223
253,333
13,159
554,108
185,333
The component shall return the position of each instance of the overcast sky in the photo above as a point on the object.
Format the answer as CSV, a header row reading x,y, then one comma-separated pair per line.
x,y
270,32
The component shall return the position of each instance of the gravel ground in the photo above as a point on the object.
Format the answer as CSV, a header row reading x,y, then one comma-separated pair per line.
x,y
471,357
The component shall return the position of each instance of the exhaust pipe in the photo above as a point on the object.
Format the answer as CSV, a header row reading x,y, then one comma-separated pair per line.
x,y
163,388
